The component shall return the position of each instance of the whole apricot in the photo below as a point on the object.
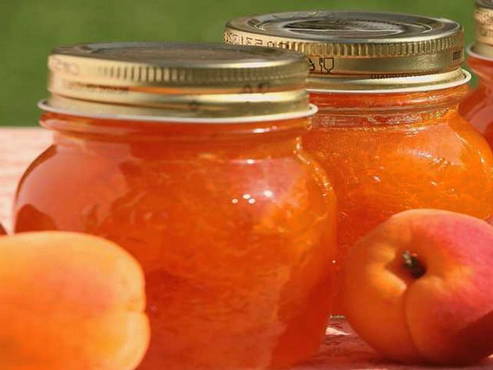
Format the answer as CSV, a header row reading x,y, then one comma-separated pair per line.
x,y
418,288
69,301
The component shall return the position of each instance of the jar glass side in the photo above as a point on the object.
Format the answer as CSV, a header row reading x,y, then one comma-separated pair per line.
x,y
233,224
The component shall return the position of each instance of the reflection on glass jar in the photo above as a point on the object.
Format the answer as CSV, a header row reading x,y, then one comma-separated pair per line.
x,y
397,152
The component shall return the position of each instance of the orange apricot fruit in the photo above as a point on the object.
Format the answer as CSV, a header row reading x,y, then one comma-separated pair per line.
x,y
70,301
418,288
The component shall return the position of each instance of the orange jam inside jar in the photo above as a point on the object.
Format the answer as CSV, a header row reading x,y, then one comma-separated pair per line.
x,y
477,107
388,130
189,156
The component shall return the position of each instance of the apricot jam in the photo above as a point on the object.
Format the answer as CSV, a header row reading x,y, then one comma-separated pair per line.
x,y
388,130
477,107
400,151
231,220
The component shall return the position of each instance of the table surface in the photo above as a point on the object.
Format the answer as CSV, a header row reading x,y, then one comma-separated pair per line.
x,y
341,350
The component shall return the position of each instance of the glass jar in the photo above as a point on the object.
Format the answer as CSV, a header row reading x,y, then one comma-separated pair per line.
x,y
231,220
400,151
477,107
388,130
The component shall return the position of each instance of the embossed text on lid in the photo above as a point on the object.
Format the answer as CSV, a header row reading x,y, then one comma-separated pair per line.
x,y
178,63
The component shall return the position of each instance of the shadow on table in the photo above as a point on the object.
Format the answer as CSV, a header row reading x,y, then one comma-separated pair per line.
x,y
344,350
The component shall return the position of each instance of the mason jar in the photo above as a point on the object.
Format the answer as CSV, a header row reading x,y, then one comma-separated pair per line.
x,y
388,131
189,157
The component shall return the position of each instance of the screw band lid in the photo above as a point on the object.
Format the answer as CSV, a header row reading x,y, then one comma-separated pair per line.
x,y
359,46
177,80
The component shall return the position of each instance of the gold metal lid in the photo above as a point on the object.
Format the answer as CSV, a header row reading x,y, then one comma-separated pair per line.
x,y
483,16
176,80
354,50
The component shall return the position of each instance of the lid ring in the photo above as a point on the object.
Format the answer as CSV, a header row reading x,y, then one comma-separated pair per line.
x,y
311,110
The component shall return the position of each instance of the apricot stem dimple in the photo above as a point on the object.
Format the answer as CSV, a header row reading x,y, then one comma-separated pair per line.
x,y
413,264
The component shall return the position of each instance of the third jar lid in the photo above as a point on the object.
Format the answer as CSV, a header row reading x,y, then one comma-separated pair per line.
x,y
484,28
352,50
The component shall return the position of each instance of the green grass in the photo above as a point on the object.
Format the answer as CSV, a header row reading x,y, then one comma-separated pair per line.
x,y
31,28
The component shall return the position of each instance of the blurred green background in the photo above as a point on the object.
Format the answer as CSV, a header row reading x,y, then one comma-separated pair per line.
x,y
29,29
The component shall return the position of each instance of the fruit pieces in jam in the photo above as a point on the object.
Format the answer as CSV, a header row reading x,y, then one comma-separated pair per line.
x,y
386,153
235,231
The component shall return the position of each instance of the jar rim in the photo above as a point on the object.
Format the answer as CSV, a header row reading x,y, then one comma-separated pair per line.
x,y
418,86
311,110
470,51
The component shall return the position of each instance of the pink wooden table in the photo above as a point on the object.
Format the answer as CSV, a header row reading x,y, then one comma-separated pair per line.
x,y
342,349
